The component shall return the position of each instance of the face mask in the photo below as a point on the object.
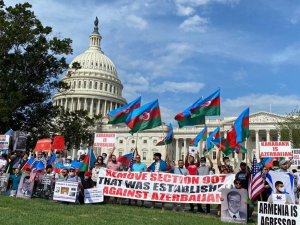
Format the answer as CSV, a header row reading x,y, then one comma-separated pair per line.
x,y
227,163
202,164
72,174
86,177
281,189
68,161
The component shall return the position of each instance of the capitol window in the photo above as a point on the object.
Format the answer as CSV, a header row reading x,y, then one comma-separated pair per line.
x,y
84,84
101,86
79,84
214,155
145,141
91,84
132,141
120,141
120,154
105,87
144,155
96,85
96,64
154,141
110,89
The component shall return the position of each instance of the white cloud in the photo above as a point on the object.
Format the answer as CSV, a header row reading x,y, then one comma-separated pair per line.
x,y
194,23
136,22
261,102
184,87
184,10
290,54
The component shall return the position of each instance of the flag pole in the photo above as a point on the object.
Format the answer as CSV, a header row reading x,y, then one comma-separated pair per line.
x,y
163,132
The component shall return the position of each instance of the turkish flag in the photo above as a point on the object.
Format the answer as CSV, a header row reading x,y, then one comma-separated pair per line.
x,y
43,145
58,143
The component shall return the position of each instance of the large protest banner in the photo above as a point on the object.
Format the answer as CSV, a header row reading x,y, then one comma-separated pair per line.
x,y
275,149
26,186
65,191
93,195
278,214
19,140
105,140
3,182
234,205
164,187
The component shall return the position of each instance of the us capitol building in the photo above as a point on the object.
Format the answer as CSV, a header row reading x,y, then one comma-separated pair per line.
x,y
96,88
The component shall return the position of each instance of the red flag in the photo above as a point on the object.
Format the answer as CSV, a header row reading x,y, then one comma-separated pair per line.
x,y
43,145
58,143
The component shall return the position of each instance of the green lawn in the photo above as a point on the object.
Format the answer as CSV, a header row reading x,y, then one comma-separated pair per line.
x,y
37,211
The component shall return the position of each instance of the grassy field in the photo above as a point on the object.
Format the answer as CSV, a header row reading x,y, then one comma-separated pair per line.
x,y
37,211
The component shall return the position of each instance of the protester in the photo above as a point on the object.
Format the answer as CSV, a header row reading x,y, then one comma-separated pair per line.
x,y
95,172
158,165
204,169
267,191
23,161
114,165
63,175
100,160
138,166
226,162
15,180
279,187
87,183
181,171
243,175
284,165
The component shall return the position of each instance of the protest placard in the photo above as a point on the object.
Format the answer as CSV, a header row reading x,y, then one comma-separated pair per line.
x,y
164,187
105,140
234,206
4,141
296,157
65,191
278,214
93,195
193,150
275,149
25,186
3,182
19,140
45,186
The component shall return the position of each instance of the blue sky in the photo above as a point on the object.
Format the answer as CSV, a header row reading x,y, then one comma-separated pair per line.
x,y
180,50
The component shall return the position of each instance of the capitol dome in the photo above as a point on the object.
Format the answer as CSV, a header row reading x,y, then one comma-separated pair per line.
x,y
95,86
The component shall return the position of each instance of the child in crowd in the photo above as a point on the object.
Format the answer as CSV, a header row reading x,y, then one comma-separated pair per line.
x,y
15,180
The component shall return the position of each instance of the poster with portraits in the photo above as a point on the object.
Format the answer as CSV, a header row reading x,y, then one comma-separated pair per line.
x,y
65,191
26,186
234,205
3,182
45,186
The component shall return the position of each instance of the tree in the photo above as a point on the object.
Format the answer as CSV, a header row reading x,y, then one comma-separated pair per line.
x,y
31,60
290,128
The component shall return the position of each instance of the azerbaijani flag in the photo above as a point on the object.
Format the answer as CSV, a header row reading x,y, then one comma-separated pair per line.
x,y
209,106
168,138
28,164
120,114
186,118
202,135
241,126
213,136
126,159
88,160
145,117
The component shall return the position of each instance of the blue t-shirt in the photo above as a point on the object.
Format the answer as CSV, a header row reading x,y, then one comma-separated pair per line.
x,y
139,167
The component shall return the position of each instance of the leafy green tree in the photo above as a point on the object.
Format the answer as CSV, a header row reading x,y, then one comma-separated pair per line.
x,y
31,60
290,128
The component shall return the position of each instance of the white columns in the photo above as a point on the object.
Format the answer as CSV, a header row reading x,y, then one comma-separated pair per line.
x,y
72,105
111,106
278,135
256,140
92,106
85,104
104,108
78,104
268,134
66,104
176,149
98,107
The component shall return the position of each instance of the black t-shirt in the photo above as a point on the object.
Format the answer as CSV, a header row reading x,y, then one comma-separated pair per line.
x,y
243,178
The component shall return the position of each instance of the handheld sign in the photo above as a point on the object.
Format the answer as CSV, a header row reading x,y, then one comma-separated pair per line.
x,y
93,195
105,140
65,191
275,149
192,150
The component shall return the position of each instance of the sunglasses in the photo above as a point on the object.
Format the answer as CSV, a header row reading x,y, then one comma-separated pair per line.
x,y
238,183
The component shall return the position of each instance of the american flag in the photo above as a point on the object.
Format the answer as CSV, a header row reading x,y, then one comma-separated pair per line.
x,y
256,183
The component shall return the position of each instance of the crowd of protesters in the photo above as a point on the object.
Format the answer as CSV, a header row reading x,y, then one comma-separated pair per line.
x,y
15,163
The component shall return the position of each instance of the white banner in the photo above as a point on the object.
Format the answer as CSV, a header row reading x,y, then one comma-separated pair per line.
x,y
105,140
164,187
193,150
4,141
278,214
65,191
275,149
93,195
